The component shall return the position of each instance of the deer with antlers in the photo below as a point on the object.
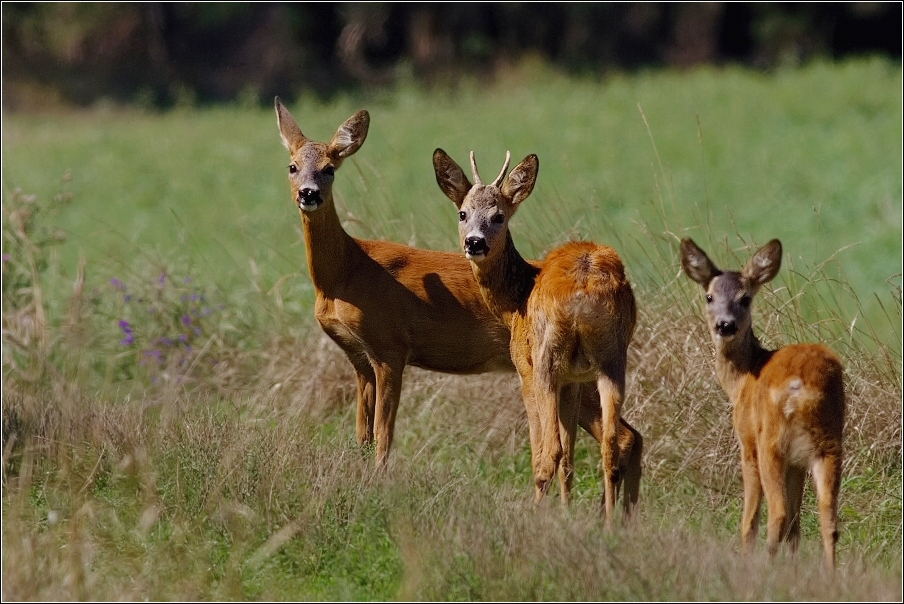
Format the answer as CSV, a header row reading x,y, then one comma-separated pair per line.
x,y
388,305
788,404
571,317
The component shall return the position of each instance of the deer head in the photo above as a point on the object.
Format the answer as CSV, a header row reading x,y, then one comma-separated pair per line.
x,y
729,293
484,210
313,165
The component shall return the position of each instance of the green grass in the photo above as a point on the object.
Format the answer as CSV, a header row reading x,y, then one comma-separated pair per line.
x,y
810,156
230,471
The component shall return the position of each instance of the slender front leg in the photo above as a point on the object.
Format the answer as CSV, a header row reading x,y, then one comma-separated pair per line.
x,y
366,406
795,477
569,408
389,387
533,429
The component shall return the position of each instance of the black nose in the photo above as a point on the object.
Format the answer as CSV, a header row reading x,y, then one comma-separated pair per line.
x,y
476,246
726,328
309,196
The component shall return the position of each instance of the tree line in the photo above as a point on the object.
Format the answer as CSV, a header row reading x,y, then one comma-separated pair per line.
x,y
160,54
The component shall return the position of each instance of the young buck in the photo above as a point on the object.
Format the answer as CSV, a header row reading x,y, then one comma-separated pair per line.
x,y
788,404
388,305
571,317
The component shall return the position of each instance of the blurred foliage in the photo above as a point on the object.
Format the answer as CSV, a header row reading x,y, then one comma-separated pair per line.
x,y
171,54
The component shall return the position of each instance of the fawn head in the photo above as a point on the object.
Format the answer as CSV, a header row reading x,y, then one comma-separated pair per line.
x,y
729,293
484,210
312,164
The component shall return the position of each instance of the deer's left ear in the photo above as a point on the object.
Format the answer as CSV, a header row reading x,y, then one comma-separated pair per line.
x,y
350,136
764,265
521,180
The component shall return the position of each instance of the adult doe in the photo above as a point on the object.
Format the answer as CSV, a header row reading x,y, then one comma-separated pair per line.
x,y
388,305
571,317
788,404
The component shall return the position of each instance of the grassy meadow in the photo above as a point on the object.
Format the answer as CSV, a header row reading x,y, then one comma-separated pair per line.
x,y
176,426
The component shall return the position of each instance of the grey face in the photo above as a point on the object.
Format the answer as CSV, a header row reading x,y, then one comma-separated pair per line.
x,y
483,222
311,174
728,299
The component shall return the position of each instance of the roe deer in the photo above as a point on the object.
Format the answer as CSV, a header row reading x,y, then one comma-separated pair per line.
x,y
388,305
571,317
788,404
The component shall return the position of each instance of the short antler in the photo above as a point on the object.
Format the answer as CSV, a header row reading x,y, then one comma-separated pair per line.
x,y
496,183
474,173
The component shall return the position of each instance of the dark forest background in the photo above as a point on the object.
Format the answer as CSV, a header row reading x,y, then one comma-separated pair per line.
x,y
161,54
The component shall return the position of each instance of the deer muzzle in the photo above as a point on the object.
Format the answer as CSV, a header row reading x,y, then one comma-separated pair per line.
x,y
309,199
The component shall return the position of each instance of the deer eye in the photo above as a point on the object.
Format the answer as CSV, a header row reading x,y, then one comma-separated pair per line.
x,y
709,299
329,171
293,168
462,216
744,301
498,218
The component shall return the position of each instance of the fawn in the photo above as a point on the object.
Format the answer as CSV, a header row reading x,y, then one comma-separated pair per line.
x,y
571,317
788,404
388,305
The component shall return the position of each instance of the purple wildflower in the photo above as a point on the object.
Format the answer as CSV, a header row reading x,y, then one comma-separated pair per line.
x,y
128,336
205,311
161,280
5,257
117,284
186,280
186,320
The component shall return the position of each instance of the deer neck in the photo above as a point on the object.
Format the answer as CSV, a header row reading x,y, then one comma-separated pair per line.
x,y
328,248
506,281
738,359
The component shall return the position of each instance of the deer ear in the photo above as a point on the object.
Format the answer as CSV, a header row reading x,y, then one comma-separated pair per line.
x,y
291,135
450,177
764,265
696,263
520,182
350,136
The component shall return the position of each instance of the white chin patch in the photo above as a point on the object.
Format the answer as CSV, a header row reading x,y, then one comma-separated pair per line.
x,y
475,257
308,207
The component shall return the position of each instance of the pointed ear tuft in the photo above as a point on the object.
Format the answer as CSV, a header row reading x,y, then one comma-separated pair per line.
x,y
450,177
696,264
289,132
350,136
521,180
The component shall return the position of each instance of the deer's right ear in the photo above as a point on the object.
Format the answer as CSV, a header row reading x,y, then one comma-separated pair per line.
x,y
291,135
696,263
450,177
521,180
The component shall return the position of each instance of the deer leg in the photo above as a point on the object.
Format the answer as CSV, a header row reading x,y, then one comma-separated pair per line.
x,y
366,405
753,494
772,474
389,388
795,477
546,401
611,392
630,445
827,480
569,406
534,431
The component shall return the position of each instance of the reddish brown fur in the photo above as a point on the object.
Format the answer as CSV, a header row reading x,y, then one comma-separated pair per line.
x,y
789,405
571,317
388,305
